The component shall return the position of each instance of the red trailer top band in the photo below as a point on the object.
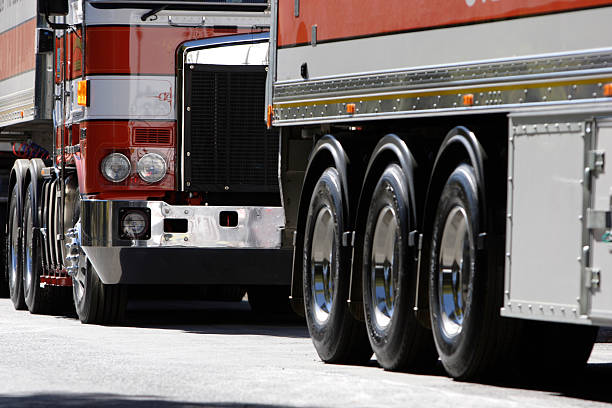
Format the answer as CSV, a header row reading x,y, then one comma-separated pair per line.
x,y
17,45
341,19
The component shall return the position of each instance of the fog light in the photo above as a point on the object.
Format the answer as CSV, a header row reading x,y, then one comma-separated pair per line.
x,y
151,167
134,223
116,167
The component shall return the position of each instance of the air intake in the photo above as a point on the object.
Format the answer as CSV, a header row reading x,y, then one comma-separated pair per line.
x,y
152,136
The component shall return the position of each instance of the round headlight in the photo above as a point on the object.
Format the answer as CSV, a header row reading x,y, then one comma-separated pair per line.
x,y
116,167
151,167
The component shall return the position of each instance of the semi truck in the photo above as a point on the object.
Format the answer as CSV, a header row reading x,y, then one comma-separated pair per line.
x,y
143,156
444,178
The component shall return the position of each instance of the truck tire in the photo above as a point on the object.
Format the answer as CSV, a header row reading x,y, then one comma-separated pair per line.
x,y
337,336
389,274
269,299
37,299
465,287
4,290
14,260
95,302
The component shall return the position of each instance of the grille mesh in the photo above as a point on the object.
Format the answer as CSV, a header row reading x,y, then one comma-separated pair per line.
x,y
152,136
228,139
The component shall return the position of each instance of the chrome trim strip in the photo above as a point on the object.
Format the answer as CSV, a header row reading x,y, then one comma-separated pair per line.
x,y
523,69
258,227
408,94
577,105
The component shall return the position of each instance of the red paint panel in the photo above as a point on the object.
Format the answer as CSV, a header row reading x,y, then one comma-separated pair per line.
x,y
17,47
56,280
141,50
105,137
348,18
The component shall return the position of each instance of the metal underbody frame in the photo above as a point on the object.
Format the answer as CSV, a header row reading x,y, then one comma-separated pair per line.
x,y
257,228
500,85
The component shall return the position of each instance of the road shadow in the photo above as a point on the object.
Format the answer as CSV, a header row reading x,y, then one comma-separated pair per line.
x,y
212,317
604,335
112,400
591,384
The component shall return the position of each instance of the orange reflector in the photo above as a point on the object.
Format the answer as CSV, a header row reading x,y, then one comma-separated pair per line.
x,y
269,117
607,89
82,94
468,99
350,108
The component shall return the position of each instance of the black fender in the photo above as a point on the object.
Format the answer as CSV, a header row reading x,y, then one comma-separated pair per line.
x,y
390,149
459,146
34,176
327,152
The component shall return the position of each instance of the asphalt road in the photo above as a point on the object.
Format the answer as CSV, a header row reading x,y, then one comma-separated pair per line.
x,y
199,354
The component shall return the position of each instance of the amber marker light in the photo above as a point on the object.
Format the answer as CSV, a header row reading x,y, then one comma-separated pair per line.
x,y
468,99
83,93
607,89
269,117
350,108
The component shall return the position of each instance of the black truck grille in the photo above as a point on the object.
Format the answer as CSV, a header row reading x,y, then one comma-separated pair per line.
x,y
230,148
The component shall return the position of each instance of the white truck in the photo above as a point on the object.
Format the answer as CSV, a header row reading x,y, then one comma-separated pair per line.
x,y
444,177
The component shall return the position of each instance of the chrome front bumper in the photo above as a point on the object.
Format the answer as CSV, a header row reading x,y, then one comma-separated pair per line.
x,y
257,228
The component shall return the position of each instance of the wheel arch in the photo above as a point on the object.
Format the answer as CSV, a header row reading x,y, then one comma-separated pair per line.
x,y
327,152
459,146
34,176
390,149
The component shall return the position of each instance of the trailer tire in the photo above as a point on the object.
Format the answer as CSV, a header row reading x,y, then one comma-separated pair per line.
x,y
463,284
389,274
37,299
14,256
337,336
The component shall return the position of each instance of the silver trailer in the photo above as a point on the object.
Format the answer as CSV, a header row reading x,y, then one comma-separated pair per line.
x,y
445,180
26,72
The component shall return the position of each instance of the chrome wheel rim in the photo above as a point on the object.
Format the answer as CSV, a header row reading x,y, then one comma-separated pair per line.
x,y
78,284
14,252
76,262
384,268
28,272
455,265
322,261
